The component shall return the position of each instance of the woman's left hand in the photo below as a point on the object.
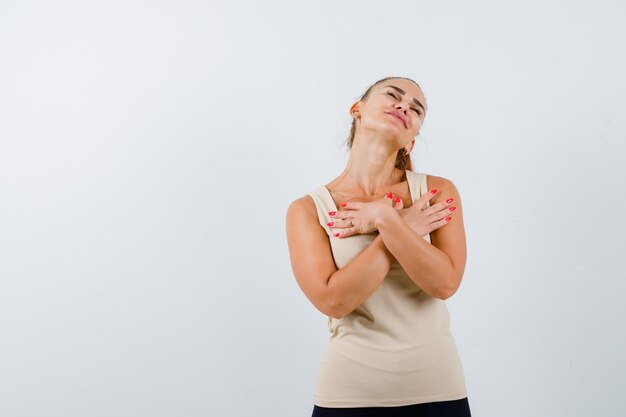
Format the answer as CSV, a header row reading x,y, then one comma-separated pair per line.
x,y
359,217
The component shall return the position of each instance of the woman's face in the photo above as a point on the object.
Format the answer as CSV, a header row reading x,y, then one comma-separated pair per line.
x,y
396,107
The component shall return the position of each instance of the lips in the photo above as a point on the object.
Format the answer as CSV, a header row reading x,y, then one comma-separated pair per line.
x,y
399,116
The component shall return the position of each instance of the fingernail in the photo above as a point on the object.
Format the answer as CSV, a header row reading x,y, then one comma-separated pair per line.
x,y
330,223
397,199
450,200
332,213
389,194
433,191
343,204
452,208
448,219
336,235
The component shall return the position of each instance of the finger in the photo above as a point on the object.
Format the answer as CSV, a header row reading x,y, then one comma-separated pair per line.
x,y
426,197
423,201
340,224
399,203
389,198
345,233
338,215
441,206
440,223
440,219
447,211
351,205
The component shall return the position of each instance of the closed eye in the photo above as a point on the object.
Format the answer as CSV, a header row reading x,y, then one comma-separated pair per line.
x,y
412,108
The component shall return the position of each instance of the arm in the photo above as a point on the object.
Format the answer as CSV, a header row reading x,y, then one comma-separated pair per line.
x,y
436,268
333,292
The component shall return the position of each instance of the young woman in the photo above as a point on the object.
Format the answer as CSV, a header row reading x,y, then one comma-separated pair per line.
x,y
378,250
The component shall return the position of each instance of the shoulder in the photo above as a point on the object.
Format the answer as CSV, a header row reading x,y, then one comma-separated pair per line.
x,y
303,207
304,203
437,182
444,186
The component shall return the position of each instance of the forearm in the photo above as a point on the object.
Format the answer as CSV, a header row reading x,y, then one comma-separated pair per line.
x,y
355,282
426,265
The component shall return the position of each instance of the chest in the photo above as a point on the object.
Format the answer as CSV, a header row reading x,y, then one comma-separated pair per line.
x,y
401,190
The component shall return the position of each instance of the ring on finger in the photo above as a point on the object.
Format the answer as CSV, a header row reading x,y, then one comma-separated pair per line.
x,y
351,225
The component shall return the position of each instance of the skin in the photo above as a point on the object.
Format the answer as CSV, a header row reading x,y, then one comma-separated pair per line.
x,y
437,267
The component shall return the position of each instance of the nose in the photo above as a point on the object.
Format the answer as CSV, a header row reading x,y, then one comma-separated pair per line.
x,y
402,106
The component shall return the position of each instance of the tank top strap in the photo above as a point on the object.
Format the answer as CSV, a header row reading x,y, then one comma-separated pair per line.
x,y
417,185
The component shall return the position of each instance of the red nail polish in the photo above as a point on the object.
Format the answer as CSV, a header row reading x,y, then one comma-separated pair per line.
x,y
332,213
452,208
433,191
330,223
450,200
448,219
343,204
389,194
397,199
336,235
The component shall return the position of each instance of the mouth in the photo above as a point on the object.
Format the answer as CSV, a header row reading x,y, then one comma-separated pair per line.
x,y
398,117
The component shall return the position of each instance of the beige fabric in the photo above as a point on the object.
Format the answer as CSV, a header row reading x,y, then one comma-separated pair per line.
x,y
396,347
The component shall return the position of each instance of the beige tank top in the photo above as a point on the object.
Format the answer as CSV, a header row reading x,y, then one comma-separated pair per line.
x,y
395,348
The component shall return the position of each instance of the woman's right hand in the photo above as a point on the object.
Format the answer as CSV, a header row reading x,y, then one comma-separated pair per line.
x,y
423,219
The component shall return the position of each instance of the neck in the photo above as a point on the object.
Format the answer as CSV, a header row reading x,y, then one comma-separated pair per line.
x,y
371,166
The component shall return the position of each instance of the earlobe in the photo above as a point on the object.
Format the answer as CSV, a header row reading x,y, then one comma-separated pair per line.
x,y
408,151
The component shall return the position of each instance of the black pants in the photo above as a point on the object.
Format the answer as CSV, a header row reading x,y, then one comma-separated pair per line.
x,y
454,408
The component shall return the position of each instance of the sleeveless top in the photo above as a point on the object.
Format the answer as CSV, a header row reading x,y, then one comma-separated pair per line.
x,y
395,348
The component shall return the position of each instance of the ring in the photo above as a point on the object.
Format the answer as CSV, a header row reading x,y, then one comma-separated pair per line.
x,y
351,225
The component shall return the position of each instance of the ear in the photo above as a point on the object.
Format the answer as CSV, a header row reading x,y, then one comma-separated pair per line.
x,y
410,147
354,108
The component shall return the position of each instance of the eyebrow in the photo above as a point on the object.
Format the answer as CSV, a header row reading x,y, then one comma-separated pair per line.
x,y
401,91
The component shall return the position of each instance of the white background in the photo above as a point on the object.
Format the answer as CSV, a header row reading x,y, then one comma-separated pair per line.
x,y
149,150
